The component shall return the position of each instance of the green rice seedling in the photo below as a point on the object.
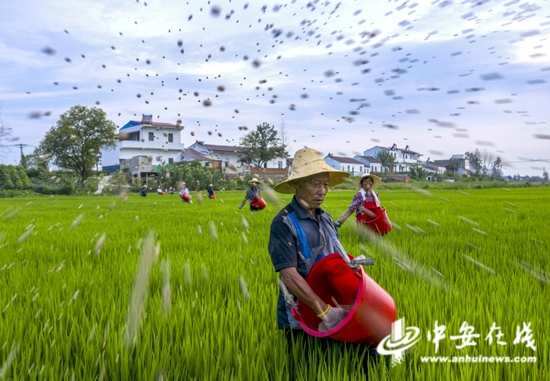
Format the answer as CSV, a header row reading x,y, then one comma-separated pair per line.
x,y
70,311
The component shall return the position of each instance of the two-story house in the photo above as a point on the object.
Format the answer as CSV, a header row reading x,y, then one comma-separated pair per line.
x,y
404,157
225,155
158,142
458,164
341,163
231,155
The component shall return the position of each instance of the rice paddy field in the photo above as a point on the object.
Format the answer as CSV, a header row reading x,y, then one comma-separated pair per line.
x,y
132,288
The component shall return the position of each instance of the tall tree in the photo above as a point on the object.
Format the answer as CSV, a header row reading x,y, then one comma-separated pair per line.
x,y
496,168
262,145
387,160
5,137
75,142
283,134
476,163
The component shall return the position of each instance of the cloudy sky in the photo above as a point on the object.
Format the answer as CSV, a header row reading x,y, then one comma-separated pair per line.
x,y
443,77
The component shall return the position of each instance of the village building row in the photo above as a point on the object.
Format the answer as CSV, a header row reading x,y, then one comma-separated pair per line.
x,y
144,145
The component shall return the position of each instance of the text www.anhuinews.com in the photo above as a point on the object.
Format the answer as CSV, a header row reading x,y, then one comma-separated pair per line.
x,y
469,359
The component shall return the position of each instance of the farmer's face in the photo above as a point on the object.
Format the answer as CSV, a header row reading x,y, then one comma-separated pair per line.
x,y
254,185
367,184
311,191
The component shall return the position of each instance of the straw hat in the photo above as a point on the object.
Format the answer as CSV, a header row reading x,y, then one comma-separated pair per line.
x,y
308,162
254,180
375,180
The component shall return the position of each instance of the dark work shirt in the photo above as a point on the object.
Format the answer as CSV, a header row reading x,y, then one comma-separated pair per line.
x,y
251,193
284,246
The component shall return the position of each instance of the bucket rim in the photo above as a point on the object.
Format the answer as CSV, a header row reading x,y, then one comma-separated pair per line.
x,y
351,313
381,215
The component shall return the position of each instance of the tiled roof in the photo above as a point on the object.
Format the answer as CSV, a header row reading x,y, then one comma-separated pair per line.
x,y
157,124
346,160
195,155
214,147
133,123
398,149
370,159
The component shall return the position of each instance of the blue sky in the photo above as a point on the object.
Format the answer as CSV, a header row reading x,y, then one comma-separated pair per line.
x,y
442,77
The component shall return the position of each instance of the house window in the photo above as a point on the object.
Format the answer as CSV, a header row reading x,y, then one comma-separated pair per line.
x,y
170,138
170,160
151,136
348,168
280,165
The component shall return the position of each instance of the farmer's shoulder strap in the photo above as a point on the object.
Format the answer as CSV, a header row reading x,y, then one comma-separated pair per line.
x,y
304,245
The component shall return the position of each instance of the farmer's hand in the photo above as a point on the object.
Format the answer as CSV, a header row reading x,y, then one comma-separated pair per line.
x,y
338,224
241,206
332,318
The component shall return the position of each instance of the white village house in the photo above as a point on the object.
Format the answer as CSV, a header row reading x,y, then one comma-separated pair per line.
x,y
155,143
144,145
372,164
404,157
459,164
229,159
354,167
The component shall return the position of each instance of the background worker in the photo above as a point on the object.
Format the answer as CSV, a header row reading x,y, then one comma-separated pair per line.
x,y
294,257
143,192
210,190
363,200
184,193
251,193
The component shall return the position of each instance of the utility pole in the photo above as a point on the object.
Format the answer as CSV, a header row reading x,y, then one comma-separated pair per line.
x,y
21,146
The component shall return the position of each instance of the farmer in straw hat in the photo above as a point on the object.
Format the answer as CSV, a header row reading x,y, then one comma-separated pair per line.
x,y
143,191
210,190
301,234
363,200
251,194
184,193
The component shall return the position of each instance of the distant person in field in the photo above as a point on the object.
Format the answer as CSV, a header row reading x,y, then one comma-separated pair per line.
x,y
251,194
143,192
184,193
160,191
363,200
171,190
210,190
300,235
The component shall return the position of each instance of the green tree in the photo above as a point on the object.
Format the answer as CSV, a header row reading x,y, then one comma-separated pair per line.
x,y
476,163
417,172
545,176
453,165
387,160
75,142
262,145
496,168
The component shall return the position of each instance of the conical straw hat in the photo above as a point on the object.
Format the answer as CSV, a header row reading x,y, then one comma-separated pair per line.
x,y
375,180
308,162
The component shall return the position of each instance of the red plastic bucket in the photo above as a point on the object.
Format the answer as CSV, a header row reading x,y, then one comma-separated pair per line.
x,y
185,197
258,202
372,308
380,223
212,196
